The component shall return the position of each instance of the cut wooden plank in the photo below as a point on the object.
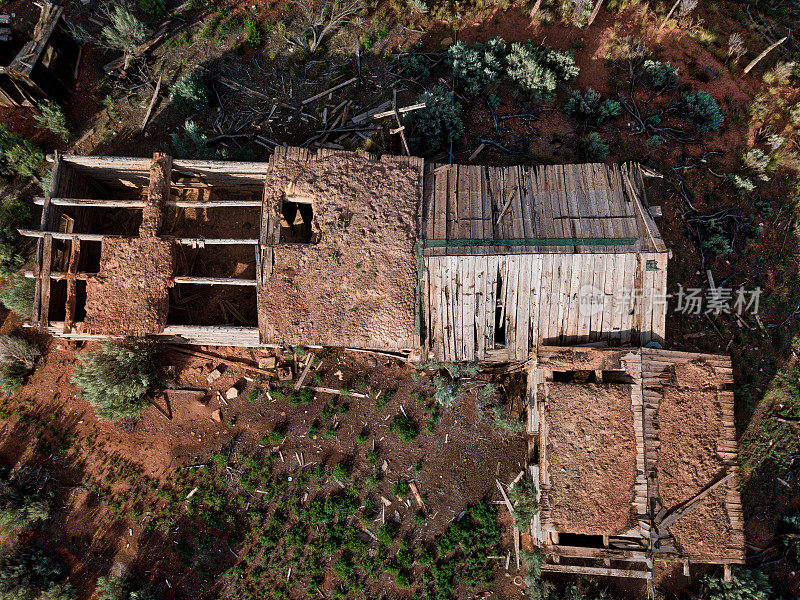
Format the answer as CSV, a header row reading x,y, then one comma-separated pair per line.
x,y
47,261
596,571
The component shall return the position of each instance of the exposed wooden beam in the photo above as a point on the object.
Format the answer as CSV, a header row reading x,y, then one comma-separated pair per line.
x,y
596,571
59,276
140,203
98,237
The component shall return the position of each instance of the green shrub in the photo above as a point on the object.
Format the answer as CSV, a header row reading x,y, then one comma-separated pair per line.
x,y
124,31
154,8
439,123
252,32
27,573
594,148
52,118
704,111
190,93
513,425
590,109
387,532
538,71
17,155
477,66
272,438
115,377
341,473
13,214
21,507
192,144
404,427
402,489
523,497
659,75
17,359
744,585
17,294
533,559
110,588
575,12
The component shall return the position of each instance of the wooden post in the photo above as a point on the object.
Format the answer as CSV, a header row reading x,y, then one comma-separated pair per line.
x,y
72,272
594,12
758,58
157,194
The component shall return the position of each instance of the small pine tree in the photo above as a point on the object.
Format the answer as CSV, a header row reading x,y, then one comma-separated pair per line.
x,y
13,214
190,93
594,148
17,155
192,144
52,118
704,111
115,377
439,122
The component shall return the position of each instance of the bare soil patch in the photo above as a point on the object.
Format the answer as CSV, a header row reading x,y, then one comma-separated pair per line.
x,y
591,457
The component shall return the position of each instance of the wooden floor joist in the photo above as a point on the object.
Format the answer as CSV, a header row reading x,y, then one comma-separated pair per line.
x,y
137,203
98,237
60,276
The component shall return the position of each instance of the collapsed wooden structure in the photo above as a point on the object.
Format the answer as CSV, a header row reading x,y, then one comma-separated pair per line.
x,y
344,249
652,442
450,262
40,67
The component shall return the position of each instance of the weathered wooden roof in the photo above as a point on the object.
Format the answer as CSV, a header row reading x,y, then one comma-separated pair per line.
x,y
577,208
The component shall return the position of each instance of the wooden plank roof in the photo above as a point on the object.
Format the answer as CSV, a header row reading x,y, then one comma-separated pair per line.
x,y
575,208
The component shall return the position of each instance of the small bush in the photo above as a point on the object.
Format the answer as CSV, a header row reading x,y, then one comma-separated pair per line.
x,y
575,12
13,214
252,32
124,31
192,144
272,438
512,425
404,427
52,118
590,109
704,111
28,573
154,8
659,75
402,489
17,295
744,585
190,93
21,507
523,498
439,123
341,473
115,378
17,155
387,532
594,148
17,359
538,71
477,66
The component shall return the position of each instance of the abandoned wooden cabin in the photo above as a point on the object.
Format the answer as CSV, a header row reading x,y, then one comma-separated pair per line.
x,y
633,452
333,248
38,59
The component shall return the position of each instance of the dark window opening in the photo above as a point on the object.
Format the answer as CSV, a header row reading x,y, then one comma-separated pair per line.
x,y
500,316
616,377
296,222
575,376
583,541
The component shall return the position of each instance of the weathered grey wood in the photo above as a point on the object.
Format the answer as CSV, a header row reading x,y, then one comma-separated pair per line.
x,y
98,237
140,203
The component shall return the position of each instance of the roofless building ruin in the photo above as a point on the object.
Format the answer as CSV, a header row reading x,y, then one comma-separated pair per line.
x,y
343,249
446,262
